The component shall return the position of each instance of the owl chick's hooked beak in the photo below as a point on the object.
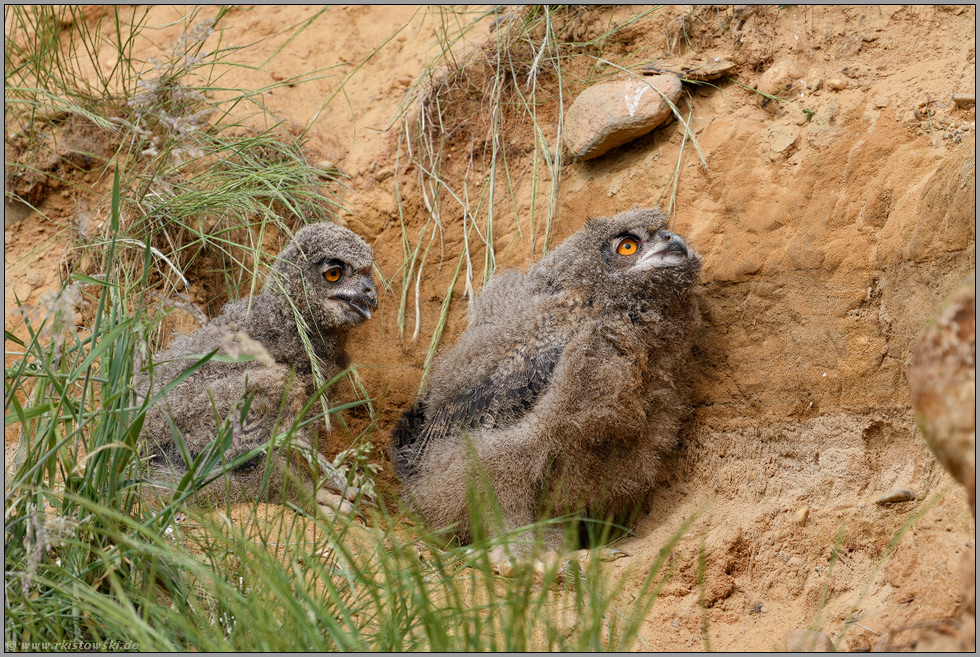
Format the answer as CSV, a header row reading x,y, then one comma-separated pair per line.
x,y
663,250
356,293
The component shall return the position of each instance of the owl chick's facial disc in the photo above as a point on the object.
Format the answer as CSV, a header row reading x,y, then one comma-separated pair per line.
x,y
352,290
646,249
331,270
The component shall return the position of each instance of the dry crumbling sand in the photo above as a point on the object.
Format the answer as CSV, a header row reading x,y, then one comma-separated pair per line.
x,y
827,245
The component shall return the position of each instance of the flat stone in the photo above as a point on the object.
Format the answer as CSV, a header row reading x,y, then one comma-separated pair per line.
x,y
22,291
783,141
808,641
896,495
611,114
827,113
701,70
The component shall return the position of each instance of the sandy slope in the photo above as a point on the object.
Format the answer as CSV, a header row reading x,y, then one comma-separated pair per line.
x,y
827,245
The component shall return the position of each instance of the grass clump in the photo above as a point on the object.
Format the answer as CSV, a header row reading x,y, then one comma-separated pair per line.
x,y
211,181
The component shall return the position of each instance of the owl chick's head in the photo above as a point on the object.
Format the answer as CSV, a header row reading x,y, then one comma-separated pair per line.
x,y
326,273
622,260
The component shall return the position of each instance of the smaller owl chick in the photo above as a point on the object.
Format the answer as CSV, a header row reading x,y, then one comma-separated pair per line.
x,y
566,389
320,286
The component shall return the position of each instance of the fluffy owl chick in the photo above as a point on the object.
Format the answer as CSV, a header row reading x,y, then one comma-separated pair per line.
x,y
568,386
323,278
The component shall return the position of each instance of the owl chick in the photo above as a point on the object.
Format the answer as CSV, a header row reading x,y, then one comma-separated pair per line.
x,y
319,289
568,386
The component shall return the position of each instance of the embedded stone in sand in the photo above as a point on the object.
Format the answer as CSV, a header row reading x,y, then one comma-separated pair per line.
x,y
608,115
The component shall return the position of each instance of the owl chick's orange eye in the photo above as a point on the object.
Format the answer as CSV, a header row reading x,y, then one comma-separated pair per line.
x,y
333,274
628,247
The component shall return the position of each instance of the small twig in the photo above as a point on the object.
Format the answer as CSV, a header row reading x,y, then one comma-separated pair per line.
x,y
854,621
841,558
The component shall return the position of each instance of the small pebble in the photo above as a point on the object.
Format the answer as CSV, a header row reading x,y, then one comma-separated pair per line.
x,y
895,496
325,165
808,641
36,279
802,515
836,84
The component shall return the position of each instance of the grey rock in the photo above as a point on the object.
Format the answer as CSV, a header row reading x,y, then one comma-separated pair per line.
x,y
608,115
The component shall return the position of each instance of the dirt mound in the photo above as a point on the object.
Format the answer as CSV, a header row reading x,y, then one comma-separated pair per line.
x,y
832,220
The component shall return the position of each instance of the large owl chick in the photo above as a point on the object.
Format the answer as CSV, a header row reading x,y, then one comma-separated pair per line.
x,y
568,387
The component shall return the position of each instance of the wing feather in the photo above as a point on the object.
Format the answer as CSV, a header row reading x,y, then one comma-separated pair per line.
x,y
500,399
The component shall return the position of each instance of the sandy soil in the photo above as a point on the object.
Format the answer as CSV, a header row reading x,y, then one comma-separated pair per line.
x,y
827,245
